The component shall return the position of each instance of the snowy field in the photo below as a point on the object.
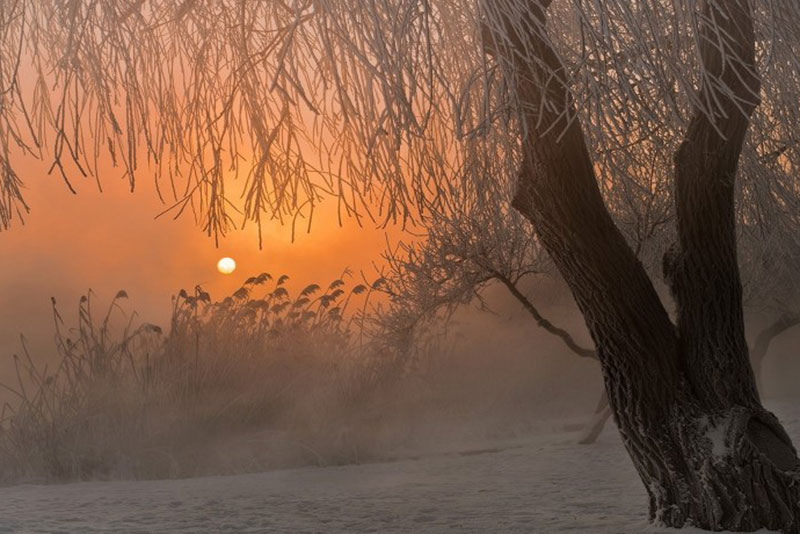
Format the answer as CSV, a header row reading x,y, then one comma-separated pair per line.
x,y
541,484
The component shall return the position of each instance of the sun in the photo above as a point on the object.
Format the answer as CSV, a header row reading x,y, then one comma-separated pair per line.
x,y
226,265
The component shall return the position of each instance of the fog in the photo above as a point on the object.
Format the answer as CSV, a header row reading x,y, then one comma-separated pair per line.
x,y
112,240
497,375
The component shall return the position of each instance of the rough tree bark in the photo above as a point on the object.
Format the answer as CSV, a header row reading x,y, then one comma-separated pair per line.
x,y
684,396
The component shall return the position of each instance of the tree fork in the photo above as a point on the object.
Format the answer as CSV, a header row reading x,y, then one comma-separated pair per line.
x,y
708,454
703,269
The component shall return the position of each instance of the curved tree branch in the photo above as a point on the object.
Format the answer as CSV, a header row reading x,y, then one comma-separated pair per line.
x,y
703,272
560,333
558,192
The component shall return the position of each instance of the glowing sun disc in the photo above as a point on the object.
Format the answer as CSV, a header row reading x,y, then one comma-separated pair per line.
x,y
226,265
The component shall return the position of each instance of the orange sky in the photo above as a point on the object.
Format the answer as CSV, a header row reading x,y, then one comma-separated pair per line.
x,y
110,241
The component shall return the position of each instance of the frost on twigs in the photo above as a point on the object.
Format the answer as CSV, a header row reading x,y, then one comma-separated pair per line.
x,y
386,106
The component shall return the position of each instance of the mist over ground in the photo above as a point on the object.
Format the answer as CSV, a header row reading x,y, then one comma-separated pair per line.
x,y
493,375
497,395
111,240
497,373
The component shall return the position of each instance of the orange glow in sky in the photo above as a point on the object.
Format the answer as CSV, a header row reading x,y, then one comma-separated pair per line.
x,y
111,240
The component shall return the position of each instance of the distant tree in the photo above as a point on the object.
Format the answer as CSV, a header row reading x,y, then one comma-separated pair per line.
x,y
672,387
481,241
393,106
770,252
482,244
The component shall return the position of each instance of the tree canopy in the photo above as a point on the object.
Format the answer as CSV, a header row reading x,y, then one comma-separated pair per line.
x,y
586,115
387,106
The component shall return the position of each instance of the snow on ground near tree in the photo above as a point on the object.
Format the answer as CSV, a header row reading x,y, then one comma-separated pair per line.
x,y
542,484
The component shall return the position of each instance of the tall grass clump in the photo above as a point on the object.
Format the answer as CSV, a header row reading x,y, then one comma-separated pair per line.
x,y
262,378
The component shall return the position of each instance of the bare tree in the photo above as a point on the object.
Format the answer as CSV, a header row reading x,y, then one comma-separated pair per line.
x,y
771,269
483,243
461,253
672,387
390,106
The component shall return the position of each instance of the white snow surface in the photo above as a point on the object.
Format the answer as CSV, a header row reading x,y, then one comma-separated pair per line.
x,y
540,484
717,436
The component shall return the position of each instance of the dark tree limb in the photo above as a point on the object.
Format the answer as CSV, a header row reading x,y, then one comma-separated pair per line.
x,y
541,321
684,398
558,192
603,411
703,271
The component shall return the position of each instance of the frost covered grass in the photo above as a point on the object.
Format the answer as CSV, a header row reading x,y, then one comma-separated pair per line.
x,y
260,379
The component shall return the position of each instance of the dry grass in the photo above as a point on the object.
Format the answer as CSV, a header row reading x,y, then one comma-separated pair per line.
x,y
260,379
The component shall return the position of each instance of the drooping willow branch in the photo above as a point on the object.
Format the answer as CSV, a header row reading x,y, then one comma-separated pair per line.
x,y
249,111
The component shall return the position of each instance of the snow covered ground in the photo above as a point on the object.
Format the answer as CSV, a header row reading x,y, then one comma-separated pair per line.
x,y
541,484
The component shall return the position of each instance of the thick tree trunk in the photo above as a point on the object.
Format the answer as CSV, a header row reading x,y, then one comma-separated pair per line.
x,y
684,398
